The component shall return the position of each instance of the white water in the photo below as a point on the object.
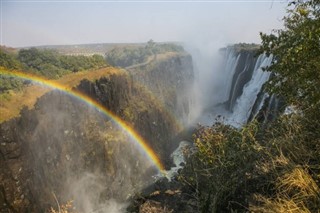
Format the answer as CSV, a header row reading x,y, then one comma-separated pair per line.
x,y
179,159
245,102
231,64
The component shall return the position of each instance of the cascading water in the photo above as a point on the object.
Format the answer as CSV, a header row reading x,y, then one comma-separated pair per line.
x,y
241,81
245,102
178,158
230,67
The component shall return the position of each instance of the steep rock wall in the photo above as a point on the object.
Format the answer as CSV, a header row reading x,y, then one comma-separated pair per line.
x,y
64,149
169,78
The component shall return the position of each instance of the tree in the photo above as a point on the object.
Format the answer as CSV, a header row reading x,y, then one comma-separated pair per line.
x,y
296,51
8,60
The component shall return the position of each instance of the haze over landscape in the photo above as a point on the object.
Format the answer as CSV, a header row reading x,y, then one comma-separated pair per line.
x,y
33,23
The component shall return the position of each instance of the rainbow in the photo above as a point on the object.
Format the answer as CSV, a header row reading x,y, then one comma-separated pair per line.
x,y
98,106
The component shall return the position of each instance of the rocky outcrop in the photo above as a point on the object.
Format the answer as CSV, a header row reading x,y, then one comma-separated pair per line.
x,y
164,197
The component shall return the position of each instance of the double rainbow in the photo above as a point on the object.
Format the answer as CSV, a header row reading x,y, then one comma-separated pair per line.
x,y
142,144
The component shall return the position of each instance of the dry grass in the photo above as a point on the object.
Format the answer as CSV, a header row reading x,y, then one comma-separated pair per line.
x,y
11,106
66,208
299,185
278,205
167,55
296,192
153,207
73,79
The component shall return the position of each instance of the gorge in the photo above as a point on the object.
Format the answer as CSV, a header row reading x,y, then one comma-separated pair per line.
x,y
63,149
97,117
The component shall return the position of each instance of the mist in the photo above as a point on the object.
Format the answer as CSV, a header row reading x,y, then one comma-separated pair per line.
x,y
85,157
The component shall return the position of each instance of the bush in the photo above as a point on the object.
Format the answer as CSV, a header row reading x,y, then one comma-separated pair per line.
x,y
127,56
8,61
223,164
263,169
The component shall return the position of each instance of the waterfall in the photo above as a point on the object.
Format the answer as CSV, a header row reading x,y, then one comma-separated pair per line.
x,y
240,95
230,68
243,73
244,104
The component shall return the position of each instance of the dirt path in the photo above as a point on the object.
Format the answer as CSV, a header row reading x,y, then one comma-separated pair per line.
x,y
150,59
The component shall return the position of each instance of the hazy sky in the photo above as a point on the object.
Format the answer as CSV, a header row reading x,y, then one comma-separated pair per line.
x,y
28,23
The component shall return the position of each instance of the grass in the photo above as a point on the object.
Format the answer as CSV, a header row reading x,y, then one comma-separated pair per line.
x,y
278,205
296,191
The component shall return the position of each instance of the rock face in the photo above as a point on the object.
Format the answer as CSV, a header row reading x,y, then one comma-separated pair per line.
x,y
65,149
169,78
165,197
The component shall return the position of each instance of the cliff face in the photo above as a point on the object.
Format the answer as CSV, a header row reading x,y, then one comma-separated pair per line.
x,y
63,149
169,77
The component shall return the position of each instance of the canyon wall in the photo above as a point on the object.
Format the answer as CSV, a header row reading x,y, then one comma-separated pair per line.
x,y
63,149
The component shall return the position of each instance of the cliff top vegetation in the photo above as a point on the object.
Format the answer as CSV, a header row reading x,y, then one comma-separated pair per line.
x,y
132,55
240,47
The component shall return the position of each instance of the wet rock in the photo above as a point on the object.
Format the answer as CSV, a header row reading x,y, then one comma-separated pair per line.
x,y
164,196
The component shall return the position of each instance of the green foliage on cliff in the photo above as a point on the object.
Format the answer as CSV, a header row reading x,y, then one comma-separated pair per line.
x,y
10,83
51,64
273,167
8,60
246,47
126,56
47,63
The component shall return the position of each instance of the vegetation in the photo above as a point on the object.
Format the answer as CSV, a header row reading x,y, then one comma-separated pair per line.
x,y
126,56
10,83
65,208
8,60
297,52
246,47
51,64
47,63
273,168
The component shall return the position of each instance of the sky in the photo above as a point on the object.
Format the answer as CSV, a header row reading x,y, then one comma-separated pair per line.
x,y
31,23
